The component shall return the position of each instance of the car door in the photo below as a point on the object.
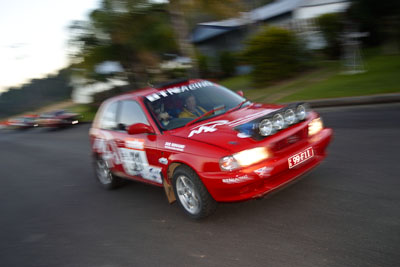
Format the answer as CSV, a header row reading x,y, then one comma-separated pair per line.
x,y
138,152
102,136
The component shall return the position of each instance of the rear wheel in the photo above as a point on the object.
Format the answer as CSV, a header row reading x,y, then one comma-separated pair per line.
x,y
191,194
104,175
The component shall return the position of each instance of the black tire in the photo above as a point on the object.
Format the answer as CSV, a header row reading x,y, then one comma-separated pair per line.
x,y
191,194
104,175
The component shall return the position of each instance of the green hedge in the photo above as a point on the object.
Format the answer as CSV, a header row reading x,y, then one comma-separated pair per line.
x,y
274,53
227,64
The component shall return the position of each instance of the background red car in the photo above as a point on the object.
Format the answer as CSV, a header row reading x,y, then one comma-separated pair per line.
x,y
204,143
58,118
22,123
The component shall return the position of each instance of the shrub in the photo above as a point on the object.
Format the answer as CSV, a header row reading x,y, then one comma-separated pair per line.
x,y
331,26
227,64
274,53
202,62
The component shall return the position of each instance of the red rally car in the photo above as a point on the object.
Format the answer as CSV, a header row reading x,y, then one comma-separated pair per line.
x,y
204,143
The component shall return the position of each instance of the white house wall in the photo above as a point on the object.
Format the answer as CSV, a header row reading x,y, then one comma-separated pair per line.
x,y
307,12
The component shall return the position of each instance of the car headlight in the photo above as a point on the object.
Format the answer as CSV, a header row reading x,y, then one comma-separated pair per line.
x,y
265,127
301,112
278,122
290,116
244,158
315,126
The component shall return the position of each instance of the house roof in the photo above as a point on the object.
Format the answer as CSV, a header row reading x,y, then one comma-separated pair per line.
x,y
274,9
202,33
259,14
207,30
308,3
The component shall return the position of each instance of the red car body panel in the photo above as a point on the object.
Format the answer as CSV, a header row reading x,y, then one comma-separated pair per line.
x,y
202,145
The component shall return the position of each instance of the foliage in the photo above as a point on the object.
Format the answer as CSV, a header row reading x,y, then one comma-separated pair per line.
x,y
227,63
88,112
100,97
181,12
134,33
203,63
381,19
274,53
219,9
173,74
331,25
252,4
237,83
37,93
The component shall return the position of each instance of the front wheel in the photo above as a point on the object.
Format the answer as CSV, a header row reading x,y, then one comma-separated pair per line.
x,y
191,194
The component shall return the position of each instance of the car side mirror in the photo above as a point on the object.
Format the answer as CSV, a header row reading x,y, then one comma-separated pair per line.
x,y
140,128
240,93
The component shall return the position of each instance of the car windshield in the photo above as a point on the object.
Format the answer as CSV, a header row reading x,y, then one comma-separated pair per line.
x,y
178,106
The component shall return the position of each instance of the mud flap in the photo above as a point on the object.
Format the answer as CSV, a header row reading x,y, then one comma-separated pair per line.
x,y
169,192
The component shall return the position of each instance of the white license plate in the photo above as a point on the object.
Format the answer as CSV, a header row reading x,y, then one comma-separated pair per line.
x,y
300,157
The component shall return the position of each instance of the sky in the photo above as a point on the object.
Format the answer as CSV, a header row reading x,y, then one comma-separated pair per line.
x,y
34,36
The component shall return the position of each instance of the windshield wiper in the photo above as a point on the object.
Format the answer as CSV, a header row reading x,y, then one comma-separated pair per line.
x,y
205,114
238,106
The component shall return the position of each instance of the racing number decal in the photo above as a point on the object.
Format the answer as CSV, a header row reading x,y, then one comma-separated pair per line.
x,y
134,161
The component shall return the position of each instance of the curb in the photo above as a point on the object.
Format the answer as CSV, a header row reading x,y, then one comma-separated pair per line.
x,y
356,100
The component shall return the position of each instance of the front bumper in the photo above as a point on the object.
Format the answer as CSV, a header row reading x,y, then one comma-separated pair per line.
x,y
262,178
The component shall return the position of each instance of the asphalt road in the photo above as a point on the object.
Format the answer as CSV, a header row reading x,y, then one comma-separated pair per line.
x,y
344,213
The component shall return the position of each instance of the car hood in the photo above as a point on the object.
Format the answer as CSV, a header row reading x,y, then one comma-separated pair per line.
x,y
222,131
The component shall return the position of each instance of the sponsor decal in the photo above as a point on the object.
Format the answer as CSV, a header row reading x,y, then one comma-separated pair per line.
x,y
243,135
264,171
236,180
163,161
178,90
134,143
207,127
135,163
132,157
174,146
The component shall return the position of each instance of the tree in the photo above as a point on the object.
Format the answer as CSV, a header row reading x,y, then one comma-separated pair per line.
x,y
380,18
133,32
36,93
179,10
137,32
227,63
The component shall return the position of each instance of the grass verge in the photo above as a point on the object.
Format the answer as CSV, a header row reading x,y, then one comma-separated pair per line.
x,y
328,81
87,111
